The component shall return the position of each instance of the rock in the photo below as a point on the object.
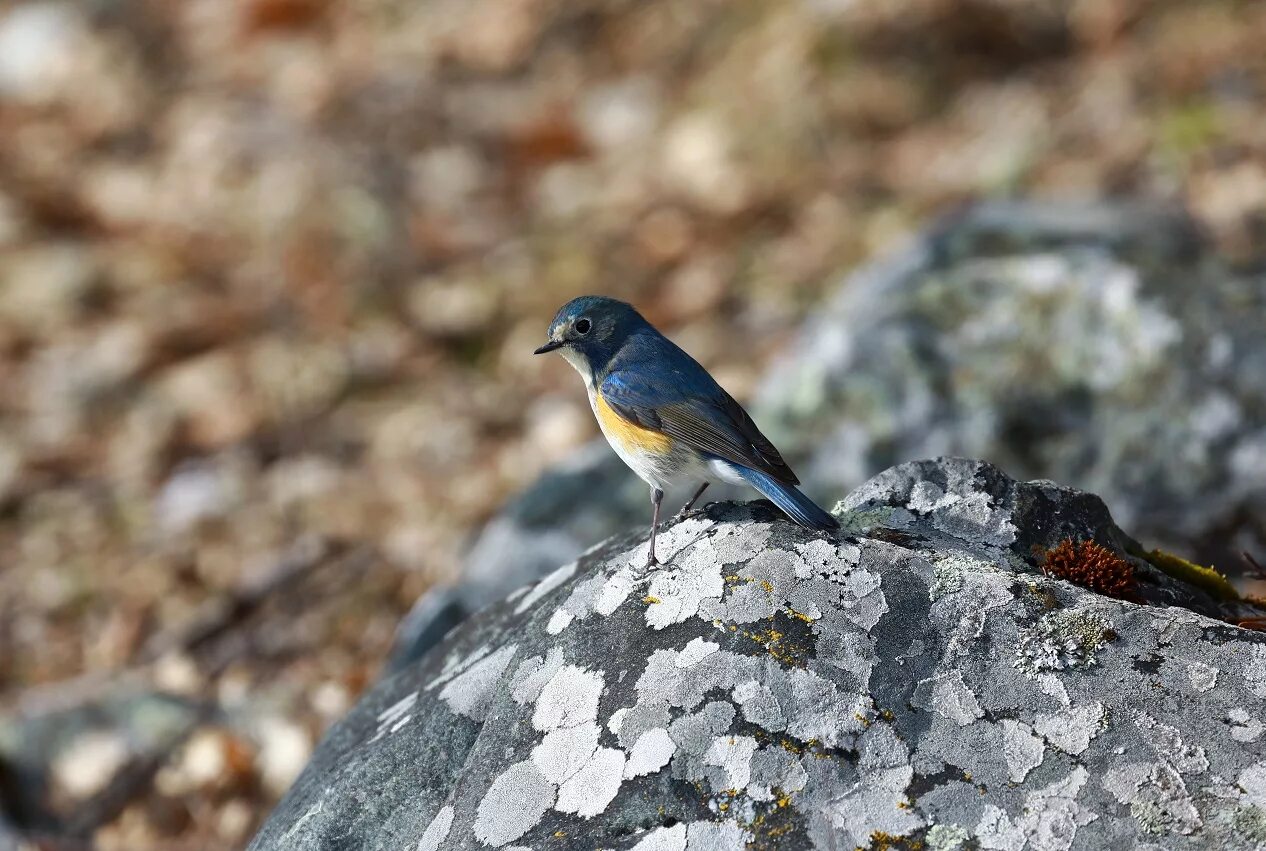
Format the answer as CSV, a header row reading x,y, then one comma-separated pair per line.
x,y
1095,345
63,749
911,679
1098,346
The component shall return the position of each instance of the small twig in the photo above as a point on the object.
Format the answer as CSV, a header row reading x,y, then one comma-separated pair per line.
x,y
1252,563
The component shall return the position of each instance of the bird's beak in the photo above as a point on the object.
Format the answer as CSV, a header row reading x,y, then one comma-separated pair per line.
x,y
548,347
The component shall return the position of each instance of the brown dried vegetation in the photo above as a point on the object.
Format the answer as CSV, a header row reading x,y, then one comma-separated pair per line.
x,y
1092,566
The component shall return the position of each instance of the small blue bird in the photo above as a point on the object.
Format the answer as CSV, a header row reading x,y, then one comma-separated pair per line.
x,y
665,416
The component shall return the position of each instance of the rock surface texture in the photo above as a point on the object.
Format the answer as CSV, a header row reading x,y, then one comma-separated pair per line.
x,y
1100,346
913,678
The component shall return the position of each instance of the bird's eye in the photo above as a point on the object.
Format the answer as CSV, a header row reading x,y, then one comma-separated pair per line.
x,y
583,326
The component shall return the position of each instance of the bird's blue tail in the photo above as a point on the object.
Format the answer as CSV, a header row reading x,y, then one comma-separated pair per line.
x,y
794,504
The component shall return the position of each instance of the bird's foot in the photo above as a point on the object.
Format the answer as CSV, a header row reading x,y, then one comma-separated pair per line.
x,y
651,561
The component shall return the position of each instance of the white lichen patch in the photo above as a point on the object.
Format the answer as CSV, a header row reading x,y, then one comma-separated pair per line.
x,y
947,578
734,543
545,586
816,709
1156,795
996,832
532,675
580,603
679,536
651,752
1255,669
664,839
559,621
565,750
947,695
1062,640
588,792
437,831
616,590
1024,750
675,594
395,716
693,733
1201,676
695,651
1051,816
775,768
969,517
513,804
733,755
1048,821
568,699
1169,746
759,706
876,803
471,692
1051,686
1252,781
455,664
946,837
715,836
1244,727
820,557
863,600
1071,730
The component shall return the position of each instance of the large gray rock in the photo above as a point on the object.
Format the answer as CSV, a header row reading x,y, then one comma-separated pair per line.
x,y
913,676
1101,346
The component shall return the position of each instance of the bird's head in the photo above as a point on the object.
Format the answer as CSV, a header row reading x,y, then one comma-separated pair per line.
x,y
590,330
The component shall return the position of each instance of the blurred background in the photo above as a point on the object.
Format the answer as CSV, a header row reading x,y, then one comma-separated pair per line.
x,y
271,272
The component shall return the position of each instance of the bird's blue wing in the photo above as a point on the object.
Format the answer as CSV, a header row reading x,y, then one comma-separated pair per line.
x,y
687,405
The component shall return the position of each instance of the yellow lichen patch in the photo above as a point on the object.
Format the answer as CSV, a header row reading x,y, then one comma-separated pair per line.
x,y
769,821
791,747
881,841
785,652
767,585
1205,578
649,600
861,719
800,615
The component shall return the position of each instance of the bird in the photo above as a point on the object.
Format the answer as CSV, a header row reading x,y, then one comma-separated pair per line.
x,y
665,416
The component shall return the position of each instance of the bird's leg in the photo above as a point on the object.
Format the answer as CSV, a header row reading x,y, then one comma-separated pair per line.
x,y
691,504
657,497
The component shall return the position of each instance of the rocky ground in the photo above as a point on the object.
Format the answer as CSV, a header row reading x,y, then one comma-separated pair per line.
x,y
919,679
269,272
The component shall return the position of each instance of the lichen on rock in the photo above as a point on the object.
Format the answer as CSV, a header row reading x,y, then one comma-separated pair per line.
x,y
919,683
